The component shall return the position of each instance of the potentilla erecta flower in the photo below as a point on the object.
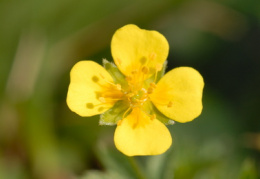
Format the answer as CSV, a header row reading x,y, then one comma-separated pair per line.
x,y
134,93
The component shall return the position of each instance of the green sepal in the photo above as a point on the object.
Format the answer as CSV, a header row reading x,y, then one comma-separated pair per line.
x,y
161,73
116,74
161,117
114,114
149,108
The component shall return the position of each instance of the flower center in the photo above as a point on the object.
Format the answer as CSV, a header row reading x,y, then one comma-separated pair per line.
x,y
136,91
138,98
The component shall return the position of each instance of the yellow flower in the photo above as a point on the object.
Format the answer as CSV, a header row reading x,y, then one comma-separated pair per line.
x,y
134,94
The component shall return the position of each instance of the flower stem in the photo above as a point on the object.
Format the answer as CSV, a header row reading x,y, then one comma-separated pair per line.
x,y
136,168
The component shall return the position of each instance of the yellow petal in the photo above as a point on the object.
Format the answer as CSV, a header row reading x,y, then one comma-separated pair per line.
x,y
139,135
88,82
178,94
137,49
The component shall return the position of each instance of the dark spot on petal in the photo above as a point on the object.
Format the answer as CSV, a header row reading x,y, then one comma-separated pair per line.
x,y
95,79
100,109
90,105
143,60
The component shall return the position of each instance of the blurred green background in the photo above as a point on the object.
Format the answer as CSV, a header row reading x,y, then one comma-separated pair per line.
x,y
40,41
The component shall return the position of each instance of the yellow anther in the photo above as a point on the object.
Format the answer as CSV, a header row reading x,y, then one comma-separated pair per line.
x,y
118,86
130,95
153,56
145,70
153,116
138,101
158,67
150,90
126,112
134,72
144,90
102,99
169,104
119,61
153,85
128,78
143,100
119,122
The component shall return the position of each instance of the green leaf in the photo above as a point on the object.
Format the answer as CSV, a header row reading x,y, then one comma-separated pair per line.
x,y
113,115
95,174
157,166
248,169
115,162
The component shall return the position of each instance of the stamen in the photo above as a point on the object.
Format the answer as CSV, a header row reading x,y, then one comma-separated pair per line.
x,y
153,85
143,60
153,56
145,70
144,90
158,67
119,61
101,76
170,104
108,99
144,99
152,117
129,95
118,86
128,78
150,90
106,79
126,112
119,122
134,72
92,106
102,99
155,77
